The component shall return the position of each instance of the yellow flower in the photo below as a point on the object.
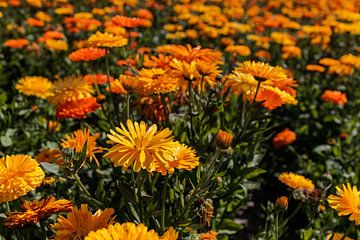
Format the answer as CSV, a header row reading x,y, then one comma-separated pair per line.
x,y
125,231
184,71
208,236
170,234
140,146
184,158
156,81
70,89
347,201
80,222
35,86
36,210
78,139
56,45
296,181
106,40
19,174
337,236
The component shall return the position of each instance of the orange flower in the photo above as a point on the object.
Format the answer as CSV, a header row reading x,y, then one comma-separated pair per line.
x,y
87,54
36,210
99,78
153,108
78,139
240,50
50,156
35,22
160,61
127,22
315,68
16,43
283,138
208,236
329,61
77,109
334,97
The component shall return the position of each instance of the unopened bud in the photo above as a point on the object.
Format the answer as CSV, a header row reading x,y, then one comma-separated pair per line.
x,y
282,202
298,194
223,139
67,154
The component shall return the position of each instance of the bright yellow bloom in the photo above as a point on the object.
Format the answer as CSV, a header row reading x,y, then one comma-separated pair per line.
x,y
170,234
347,201
184,71
80,222
296,181
140,146
107,40
19,174
184,158
70,89
56,45
125,231
37,210
156,81
35,86
76,141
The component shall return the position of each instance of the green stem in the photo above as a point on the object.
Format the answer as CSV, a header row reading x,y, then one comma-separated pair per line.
x,y
7,205
277,225
108,80
190,109
43,230
81,185
163,203
127,106
348,231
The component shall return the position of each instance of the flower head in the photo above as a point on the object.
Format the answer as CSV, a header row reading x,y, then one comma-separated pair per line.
x,y
19,174
223,139
128,22
140,146
282,202
37,210
334,97
35,86
208,236
347,202
156,81
170,234
80,222
296,181
283,138
16,43
50,156
106,40
87,54
77,109
70,89
77,140
337,236
125,231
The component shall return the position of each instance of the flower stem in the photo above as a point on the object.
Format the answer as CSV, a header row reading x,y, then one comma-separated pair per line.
x,y
163,202
348,231
43,230
190,109
81,185
127,106
277,225
108,80
7,204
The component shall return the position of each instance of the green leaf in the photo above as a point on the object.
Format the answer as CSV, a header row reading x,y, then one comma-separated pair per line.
x,y
51,168
6,141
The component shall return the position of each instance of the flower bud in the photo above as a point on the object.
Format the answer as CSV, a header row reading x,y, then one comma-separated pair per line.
x,y
282,202
67,154
223,139
298,194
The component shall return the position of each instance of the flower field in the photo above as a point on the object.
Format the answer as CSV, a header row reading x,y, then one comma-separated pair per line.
x,y
179,119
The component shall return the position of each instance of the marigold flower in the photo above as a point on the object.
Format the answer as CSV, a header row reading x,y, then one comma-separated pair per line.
x,y
125,231
290,52
334,97
282,202
16,43
240,50
341,69
329,62
275,88
152,108
19,174
70,89
36,210
35,22
296,181
116,87
99,78
128,22
351,60
140,146
170,234
337,236
56,45
283,138
37,86
77,109
77,140
223,139
315,68
157,81
129,83
184,157
208,236
80,222
50,156
106,40
87,54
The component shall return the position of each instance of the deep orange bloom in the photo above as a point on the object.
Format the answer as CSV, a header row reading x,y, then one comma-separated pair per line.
x,y
87,54
127,22
77,109
315,68
99,78
53,156
335,97
16,43
283,138
35,22
37,210
208,236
